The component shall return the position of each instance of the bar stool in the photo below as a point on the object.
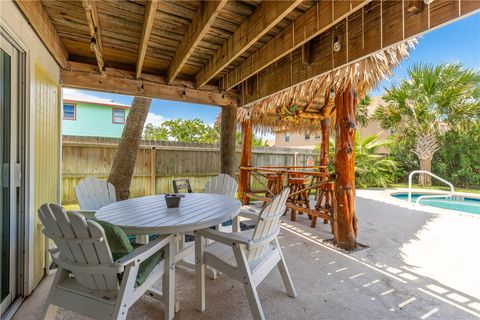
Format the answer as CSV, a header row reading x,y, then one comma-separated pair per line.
x,y
274,184
324,202
298,183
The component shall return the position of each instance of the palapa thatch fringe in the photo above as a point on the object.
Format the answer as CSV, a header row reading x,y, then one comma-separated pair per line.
x,y
268,114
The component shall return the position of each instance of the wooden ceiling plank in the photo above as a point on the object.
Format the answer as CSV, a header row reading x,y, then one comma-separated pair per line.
x,y
94,28
83,76
316,20
39,20
149,18
200,25
263,19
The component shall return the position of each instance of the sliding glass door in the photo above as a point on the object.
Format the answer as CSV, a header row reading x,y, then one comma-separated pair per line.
x,y
9,184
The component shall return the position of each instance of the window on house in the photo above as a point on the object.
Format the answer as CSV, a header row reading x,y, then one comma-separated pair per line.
x,y
118,115
287,137
318,136
307,136
69,111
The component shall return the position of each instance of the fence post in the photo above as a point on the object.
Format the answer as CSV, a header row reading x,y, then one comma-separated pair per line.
x,y
153,172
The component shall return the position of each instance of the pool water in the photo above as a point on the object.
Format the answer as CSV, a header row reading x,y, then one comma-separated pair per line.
x,y
463,204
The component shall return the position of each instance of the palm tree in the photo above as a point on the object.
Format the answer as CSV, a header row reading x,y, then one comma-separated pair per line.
x,y
126,156
432,101
373,169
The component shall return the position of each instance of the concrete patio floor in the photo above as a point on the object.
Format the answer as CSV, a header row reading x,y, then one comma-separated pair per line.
x,y
418,265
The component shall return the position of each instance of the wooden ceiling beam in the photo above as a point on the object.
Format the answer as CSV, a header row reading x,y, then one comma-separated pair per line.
x,y
264,18
375,27
148,19
40,21
322,16
94,28
84,76
196,31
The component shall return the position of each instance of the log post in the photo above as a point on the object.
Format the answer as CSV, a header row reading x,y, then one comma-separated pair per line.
x,y
324,148
227,140
345,220
245,161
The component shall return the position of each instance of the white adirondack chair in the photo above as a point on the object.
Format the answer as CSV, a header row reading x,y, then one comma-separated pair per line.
x,y
93,193
87,277
247,256
222,184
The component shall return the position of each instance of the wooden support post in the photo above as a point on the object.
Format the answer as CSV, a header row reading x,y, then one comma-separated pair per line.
x,y
245,161
345,220
153,172
324,150
227,140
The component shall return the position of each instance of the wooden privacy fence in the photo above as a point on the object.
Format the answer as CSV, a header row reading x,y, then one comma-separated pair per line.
x,y
159,162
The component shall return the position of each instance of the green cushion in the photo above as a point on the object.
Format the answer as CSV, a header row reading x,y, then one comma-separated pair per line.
x,y
147,266
117,239
121,246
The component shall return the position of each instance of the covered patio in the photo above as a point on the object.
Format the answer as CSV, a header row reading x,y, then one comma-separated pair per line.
x,y
292,64
389,280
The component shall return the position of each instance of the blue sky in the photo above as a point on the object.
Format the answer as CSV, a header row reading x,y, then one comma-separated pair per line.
x,y
458,41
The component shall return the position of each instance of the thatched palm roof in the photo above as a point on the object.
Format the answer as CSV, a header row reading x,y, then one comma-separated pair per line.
x,y
300,108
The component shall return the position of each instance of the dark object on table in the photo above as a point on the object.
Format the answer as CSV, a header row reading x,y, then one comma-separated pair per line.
x,y
181,184
173,200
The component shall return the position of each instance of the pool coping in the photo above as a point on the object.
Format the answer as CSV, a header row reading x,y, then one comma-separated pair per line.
x,y
386,196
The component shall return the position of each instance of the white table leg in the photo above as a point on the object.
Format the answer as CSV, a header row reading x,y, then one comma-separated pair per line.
x,y
168,283
200,272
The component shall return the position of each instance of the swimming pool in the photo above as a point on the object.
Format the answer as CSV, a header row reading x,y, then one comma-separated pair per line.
x,y
458,203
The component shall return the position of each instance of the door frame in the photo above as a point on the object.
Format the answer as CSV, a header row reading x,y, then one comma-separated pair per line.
x,y
19,177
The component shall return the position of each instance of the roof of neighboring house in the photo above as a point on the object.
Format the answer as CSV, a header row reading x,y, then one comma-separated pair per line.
x,y
70,95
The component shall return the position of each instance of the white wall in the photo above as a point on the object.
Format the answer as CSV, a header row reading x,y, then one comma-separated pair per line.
x,y
14,23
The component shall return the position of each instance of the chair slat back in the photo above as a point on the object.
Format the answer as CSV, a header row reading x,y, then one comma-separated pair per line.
x,y
64,229
93,193
222,184
181,186
268,224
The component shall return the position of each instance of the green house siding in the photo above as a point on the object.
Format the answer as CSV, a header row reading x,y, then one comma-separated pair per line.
x,y
93,120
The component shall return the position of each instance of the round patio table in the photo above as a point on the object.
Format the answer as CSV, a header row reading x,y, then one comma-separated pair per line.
x,y
150,215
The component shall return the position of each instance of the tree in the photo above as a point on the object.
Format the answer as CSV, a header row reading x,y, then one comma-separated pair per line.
x,y
432,101
182,131
256,141
126,156
373,169
194,130
458,159
159,133
361,113
191,131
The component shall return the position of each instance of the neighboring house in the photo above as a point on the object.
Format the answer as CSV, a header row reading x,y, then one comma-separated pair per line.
x,y
93,117
311,139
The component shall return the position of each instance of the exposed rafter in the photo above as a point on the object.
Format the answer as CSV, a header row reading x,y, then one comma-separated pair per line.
x,y
83,76
148,19
316,20
94,28
195,32
43,26
265,17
